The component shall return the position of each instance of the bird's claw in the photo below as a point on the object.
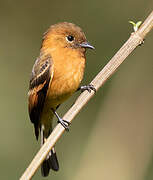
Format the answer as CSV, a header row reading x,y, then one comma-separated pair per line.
x,y
89,88
64,123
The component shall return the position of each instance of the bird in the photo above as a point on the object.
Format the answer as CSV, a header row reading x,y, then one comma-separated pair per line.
x,y
56,75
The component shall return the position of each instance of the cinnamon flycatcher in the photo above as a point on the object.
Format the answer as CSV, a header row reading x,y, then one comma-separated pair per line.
x,y
56,75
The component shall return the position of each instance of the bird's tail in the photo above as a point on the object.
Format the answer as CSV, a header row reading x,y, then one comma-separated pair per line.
x,y
51,161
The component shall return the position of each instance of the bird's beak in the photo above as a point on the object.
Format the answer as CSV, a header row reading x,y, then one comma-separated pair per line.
x,y
86,45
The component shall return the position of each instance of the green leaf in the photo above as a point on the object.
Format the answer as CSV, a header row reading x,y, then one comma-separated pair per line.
x,y
138,23
133,23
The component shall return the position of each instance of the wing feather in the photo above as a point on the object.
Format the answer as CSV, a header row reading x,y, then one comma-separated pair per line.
x,y
38,87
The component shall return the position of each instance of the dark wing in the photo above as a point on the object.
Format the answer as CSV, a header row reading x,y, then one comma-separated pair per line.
x,y
42,73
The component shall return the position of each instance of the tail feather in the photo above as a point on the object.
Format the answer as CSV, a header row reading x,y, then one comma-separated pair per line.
x,y
51,161
45,168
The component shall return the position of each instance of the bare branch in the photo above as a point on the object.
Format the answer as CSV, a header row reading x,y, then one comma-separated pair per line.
x,y
135,39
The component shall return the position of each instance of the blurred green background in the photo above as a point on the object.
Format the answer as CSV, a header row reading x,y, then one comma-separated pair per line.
x,y
112,137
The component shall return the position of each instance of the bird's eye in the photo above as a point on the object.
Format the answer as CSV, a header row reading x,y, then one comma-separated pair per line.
x,y
70,38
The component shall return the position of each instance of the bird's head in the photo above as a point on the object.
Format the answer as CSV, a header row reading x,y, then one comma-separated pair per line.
x,y
65,35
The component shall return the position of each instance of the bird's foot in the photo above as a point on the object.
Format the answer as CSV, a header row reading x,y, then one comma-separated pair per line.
x,y
63,122
89,88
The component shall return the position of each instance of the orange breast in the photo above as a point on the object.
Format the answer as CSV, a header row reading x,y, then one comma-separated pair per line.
x,y
68,73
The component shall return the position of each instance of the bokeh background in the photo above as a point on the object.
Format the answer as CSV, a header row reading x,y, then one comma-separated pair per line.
x,y
112,137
